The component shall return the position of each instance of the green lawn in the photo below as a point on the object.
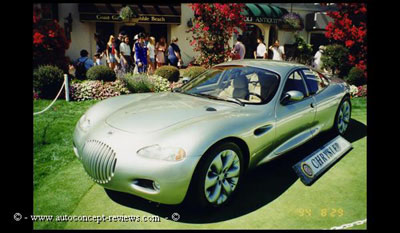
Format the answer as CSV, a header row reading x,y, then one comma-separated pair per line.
x,y
272,197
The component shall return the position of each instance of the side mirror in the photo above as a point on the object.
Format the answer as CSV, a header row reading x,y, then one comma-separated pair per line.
x,y
292,96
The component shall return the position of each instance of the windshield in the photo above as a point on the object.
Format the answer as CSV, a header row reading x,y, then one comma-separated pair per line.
x,y
243,85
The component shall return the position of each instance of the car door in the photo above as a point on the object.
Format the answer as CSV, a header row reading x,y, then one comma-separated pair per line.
x,y
294,119
324,101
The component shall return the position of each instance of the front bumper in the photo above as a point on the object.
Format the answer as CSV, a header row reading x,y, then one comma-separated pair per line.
x,y
110,159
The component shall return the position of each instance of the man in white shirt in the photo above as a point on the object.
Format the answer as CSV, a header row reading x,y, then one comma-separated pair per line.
x,y
261,52
278,51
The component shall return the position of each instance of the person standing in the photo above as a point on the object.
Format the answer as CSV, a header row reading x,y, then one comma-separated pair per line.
x,y
118,42
261,52
83,64
100,45
97,60
161,47
174,53
111,53
239,50
152,54
141,54
126,58
317,63
278,51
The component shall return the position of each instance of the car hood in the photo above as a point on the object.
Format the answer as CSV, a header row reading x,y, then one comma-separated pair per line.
x,y
163,110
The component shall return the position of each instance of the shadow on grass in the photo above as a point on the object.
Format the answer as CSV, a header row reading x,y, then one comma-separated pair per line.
x,y
260,186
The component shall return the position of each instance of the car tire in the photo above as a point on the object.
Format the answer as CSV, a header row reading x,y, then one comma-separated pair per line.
x,y
343,116
218,176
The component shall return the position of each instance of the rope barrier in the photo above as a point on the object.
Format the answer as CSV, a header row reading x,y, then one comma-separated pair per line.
x,y
37,113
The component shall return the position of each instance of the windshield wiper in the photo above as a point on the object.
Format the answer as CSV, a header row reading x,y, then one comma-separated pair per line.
x,y
228,99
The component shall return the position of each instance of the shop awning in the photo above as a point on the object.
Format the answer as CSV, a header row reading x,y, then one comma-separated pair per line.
x,y
148,13
263,13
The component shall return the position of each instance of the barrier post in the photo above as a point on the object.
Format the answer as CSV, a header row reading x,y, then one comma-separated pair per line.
x,y
66,87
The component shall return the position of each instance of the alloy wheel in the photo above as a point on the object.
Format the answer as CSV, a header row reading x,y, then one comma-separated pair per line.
x,y
222,177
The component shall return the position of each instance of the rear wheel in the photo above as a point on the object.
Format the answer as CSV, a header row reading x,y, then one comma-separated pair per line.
x,y
218,176
343,116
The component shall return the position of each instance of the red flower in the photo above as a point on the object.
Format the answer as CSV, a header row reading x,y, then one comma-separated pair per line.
x,y
37,38
349,43
51,34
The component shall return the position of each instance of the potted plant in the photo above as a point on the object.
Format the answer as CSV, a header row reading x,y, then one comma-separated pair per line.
x,y
129,15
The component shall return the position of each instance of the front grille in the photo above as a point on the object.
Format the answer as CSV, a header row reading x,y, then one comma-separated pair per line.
x,y
99,161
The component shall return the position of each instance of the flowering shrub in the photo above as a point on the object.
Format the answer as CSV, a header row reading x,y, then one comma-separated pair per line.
x,y
140,83
349,29
362,91
49,42
88,90
213,26
353,90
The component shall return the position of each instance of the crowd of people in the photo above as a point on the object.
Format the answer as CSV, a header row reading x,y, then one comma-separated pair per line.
x,y
144,56
278,52
239,50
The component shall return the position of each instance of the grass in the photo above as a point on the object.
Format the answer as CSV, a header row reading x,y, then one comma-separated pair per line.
x,y
272,196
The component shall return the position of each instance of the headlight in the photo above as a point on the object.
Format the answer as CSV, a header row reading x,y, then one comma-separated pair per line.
x,y
163,153
84,122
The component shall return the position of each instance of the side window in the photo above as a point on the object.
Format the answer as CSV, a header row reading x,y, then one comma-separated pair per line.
x,y
315,82
295,83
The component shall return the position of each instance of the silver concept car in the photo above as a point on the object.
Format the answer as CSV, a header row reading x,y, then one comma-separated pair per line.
x,y
200,139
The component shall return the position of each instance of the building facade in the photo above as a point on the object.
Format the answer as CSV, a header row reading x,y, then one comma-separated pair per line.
x,y
82,20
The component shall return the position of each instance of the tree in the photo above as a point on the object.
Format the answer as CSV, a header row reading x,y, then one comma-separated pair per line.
x,y
334,58
49,42
349,29
213,26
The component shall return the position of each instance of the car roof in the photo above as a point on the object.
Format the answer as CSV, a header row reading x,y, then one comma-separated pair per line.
x,y
280,67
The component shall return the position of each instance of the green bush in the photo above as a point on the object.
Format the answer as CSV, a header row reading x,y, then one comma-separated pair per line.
x,y
137,83
355,77
101,73
171,73
193,71
47,81
335,57
140,83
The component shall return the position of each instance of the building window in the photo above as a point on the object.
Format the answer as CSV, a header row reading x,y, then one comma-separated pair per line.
x,y
48,11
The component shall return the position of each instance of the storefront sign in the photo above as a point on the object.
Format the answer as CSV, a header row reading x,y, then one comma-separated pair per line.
x,y
314,165
250,19
142,19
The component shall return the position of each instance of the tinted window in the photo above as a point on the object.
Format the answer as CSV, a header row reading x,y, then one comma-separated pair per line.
x,y
315,81
295,83
248,84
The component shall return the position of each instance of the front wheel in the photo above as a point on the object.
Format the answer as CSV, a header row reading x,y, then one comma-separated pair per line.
x,y
218,175
343,116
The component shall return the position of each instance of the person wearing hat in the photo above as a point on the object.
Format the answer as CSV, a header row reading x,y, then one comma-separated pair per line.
x,y
317,63
141,53
174,53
